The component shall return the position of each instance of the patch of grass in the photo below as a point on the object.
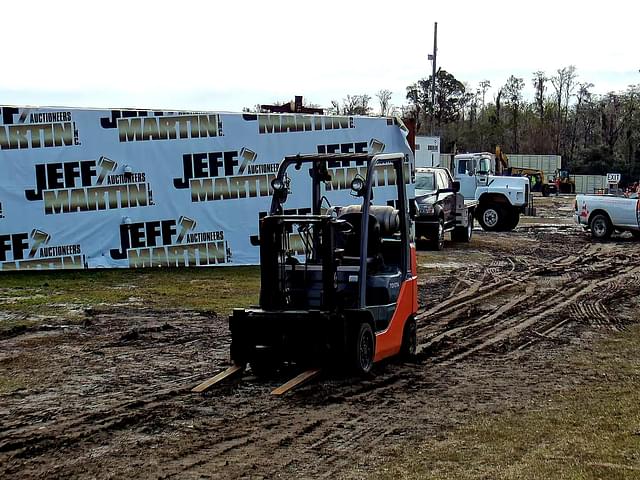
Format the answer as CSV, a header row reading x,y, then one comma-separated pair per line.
x,y
588,432
10,326
10,384
58,293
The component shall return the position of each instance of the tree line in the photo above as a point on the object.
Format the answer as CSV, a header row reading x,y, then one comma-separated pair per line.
x,y
594,134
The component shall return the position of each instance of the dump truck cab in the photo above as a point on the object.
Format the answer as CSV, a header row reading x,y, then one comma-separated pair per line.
x,y
338,285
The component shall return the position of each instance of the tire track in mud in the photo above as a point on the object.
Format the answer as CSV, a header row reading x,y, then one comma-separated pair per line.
x,y
114,398
325,422
518,317
457,326
466,328
531,309
515,322
32,440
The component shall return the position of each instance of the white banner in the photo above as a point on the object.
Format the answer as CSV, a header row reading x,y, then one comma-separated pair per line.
x,y
134,188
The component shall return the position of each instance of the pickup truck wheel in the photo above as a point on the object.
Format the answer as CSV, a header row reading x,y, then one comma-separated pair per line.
x,y
491,217
437,242
463,234
600,226
636,234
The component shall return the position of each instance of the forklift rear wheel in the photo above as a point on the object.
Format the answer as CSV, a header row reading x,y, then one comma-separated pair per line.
x,y
364,349
409,339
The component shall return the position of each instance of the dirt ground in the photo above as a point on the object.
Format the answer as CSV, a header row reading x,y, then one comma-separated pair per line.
x,y
110,397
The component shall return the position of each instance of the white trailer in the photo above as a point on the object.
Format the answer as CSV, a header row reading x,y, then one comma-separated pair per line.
x,y
427,151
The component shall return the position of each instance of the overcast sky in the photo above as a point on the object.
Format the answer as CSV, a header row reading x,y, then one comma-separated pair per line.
x,y
227,55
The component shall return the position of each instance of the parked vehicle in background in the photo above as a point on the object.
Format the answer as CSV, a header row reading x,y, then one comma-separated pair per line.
x,y
537,179
440,208
604,214
564,182
501,200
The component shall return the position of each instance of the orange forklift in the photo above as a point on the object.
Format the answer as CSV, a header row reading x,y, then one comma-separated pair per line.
x,y
338,285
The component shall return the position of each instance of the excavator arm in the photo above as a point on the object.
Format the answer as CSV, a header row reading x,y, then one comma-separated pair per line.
x,y
502,161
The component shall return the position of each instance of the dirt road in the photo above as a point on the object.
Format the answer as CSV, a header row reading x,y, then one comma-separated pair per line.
x,y
110,397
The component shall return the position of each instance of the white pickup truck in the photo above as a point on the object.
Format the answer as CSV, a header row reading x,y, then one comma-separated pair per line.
x,y
604,214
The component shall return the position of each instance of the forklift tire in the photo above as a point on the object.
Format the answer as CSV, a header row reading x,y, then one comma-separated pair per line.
x,y
363,349
409,339
263,364
238,355
463,234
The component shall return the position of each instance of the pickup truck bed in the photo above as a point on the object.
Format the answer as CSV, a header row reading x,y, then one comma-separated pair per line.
x,y
604,214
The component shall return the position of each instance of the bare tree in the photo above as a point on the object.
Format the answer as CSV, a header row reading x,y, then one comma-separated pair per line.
x,y
356,105
583,94
513,92
563,83
484,86
539,81
497,121
384,98
334,109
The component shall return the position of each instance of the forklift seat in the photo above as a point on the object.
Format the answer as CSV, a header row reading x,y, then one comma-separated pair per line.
x,y
387,217
384,222
351,239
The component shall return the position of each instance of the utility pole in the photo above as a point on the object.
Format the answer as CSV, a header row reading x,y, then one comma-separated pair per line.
x,y
432,57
